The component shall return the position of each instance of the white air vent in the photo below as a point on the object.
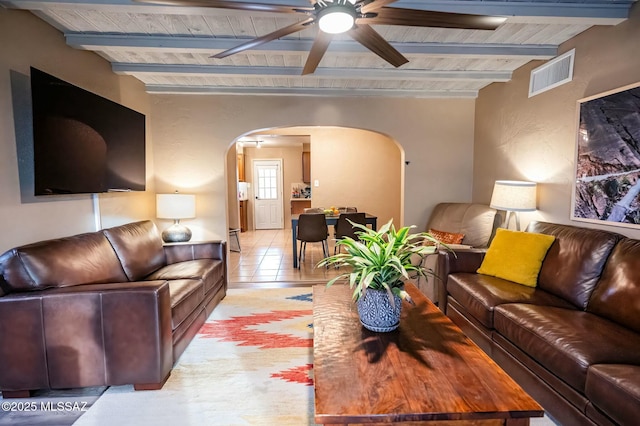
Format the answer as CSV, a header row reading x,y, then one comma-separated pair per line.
x,y
554,73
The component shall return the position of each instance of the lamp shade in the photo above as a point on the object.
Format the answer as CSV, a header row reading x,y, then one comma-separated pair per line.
x,y
175,206
513,195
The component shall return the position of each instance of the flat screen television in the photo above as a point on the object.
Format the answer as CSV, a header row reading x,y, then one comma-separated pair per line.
x,y
84,143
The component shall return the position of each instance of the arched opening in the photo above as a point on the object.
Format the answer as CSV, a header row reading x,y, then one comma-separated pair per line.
x,y
351,166
348,167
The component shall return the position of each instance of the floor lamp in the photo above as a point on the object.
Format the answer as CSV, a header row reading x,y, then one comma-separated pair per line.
x,y
514,196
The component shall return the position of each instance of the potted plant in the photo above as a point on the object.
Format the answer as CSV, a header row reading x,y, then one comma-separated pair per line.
x,y
380,263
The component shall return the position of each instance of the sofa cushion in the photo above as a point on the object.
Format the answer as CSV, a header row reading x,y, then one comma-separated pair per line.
x,y
617,295
80,259
139,248
615,390
210,271
516,256
480,294
565,341
186,295
575,261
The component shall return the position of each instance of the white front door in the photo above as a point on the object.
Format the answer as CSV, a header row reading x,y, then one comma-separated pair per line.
x,y
267,181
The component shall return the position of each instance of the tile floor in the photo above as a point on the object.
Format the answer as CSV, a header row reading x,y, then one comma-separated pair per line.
x,y
267,257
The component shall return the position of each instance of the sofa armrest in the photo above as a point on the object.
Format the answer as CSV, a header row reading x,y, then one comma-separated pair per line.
x,y
182,252
463,260
89,335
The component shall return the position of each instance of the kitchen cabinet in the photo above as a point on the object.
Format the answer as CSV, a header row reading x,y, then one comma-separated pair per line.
x,y
243,216
306,167
240,160
299,204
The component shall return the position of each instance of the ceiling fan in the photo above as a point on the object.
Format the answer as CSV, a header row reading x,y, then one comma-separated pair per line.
x,y
353,17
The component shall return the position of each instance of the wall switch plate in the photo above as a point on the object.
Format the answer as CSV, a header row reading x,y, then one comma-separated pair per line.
x,y
316,183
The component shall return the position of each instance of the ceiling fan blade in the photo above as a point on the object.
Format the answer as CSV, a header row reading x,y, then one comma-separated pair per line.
x,y
221,4
298,26
373,41
425,18
320,45
372,6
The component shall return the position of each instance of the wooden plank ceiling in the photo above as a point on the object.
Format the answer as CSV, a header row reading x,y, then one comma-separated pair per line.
x,y
169,48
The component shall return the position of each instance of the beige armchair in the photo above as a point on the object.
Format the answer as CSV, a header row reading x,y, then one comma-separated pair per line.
x,y
477,222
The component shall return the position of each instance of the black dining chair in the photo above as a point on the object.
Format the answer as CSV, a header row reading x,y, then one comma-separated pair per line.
x,y
345,229
312,228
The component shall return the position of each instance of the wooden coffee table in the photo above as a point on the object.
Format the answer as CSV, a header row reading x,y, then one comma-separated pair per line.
x,y
427,371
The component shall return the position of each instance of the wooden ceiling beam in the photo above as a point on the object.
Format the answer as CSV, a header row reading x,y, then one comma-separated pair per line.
x,y
213,45
332,73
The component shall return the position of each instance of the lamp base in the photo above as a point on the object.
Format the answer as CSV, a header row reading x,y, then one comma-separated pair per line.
x,y
507,221
176,233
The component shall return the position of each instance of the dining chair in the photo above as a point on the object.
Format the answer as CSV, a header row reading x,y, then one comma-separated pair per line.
x,y
312,228
233,232
345,229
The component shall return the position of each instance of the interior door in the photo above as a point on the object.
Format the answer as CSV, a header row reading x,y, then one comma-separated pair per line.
x,y
268,204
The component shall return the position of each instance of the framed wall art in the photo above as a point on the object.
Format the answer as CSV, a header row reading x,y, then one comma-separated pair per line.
x,y
607,181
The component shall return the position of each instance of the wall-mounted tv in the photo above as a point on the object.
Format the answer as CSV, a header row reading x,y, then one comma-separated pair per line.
x,y
84,143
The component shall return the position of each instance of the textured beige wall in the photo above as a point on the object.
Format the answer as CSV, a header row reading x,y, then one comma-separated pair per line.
x,y
192,134
357,168
534,139
233,211
28,41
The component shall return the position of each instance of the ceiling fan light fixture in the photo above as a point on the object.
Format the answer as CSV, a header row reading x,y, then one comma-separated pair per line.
x,y
337,19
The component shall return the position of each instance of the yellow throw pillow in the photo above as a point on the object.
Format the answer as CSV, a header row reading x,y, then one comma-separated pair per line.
x,y
516,256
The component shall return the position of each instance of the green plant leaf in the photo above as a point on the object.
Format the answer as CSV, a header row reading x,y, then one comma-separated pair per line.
x,y
382,259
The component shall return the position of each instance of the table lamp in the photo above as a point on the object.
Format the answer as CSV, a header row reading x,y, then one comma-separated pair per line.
x,y
514,196
176,206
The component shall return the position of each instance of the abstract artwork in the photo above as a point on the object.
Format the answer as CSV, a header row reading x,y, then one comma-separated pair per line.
x,y
607,181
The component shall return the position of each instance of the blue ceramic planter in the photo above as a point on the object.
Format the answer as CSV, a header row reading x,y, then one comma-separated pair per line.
x,y
376,311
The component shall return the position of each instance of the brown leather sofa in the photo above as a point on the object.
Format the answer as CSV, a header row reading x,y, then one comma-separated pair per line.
x,y
104,308
573,342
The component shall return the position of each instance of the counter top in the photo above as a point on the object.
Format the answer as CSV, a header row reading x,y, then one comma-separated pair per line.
x,y
300,199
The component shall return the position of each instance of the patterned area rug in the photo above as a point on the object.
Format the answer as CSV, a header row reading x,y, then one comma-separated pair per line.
x,y
250,364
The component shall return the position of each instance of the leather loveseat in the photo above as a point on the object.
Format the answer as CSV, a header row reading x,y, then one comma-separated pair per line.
x,y
573,341
476,222
104,308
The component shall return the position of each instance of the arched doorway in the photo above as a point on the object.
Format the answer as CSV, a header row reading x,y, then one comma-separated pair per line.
x,y
348,167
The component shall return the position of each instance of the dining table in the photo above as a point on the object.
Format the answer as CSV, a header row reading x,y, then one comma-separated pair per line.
x,y
331,221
